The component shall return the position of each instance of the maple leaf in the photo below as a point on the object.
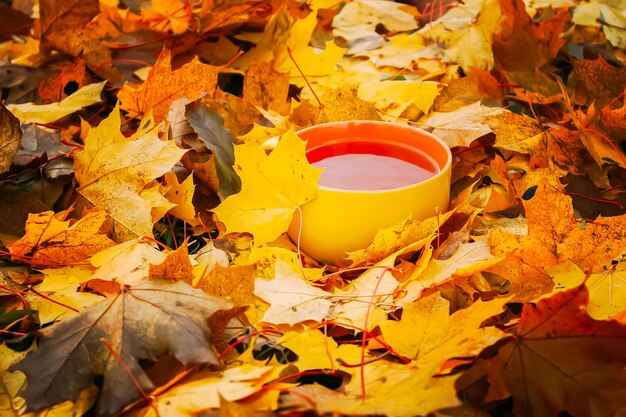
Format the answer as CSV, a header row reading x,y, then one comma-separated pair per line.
x,y
469,258
128,262
57,297
523,45
235,282
384,381
558,359
175,267
141,322
292,300
267,88
318,351
357,22
181,194
272,187
52,241
10,137
204,391
462,126
596,80
396,237
112,168
554,235
209,126
163,86
438,335
48,113
60,18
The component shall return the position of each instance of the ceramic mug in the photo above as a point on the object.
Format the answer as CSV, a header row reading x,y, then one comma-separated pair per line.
x,y
343,218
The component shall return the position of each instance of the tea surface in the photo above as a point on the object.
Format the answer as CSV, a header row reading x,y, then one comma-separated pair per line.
x,y
355,171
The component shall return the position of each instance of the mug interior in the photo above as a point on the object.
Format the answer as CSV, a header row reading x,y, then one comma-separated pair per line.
x,y
384,138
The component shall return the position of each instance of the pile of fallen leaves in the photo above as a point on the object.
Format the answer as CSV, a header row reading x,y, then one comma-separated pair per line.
x,y
145,198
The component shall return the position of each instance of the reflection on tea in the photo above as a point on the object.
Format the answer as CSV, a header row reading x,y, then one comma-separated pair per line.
x,y
370,172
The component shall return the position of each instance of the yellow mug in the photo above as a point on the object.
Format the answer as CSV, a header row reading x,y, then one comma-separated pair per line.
x,y
344,216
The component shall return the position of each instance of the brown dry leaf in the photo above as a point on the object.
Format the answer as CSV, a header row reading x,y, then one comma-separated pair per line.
x,y
112,168
67,26
566,150
175,267
515,132
55,89
13,22
595,80
561,360
52,241
163,86
10,137
63,23
235,282
596,245
613,119
523,45
142,322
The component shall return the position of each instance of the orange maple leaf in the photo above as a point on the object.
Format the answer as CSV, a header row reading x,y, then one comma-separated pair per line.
x,y
50,240
163,86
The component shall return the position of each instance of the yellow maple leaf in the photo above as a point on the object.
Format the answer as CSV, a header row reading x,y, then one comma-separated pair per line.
x,y
397,97
317,351
57,298
181,194
607,289
391,389
367,300
112,169
272,187
396,237
438,335
48,113
128,262
167,15
203,392
292,300
469,259
163,86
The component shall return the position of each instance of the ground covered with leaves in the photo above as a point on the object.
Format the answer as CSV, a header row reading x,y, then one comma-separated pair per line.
x,y
145,199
